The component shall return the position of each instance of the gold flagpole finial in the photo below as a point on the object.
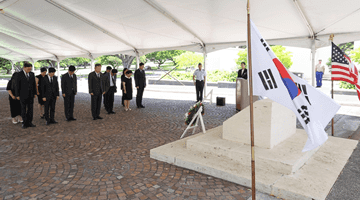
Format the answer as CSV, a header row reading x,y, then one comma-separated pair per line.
x,y
331,38
248,6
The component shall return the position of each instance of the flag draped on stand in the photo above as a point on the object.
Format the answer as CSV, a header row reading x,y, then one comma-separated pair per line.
x,y
313,108
343,69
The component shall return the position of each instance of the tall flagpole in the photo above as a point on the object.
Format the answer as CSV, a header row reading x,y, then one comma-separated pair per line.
x,y
251,104
332,88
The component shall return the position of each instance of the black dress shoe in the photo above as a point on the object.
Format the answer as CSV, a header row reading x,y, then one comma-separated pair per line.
x,y
142,106
94,118
42,117
31,125
72,119
48,123
24,126
53,122
111,112
98,117
67,119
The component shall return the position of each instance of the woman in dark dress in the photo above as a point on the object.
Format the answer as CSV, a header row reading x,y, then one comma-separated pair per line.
x,y
122,87
15,106
127,85
38,80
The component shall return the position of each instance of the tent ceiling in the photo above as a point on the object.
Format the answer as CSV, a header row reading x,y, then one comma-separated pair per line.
x,y
54,29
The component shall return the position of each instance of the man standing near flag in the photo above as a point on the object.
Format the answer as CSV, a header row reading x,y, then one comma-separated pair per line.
x,y
320,70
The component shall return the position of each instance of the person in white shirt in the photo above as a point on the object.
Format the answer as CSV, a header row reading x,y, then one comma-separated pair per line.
x,y
200,82
320,70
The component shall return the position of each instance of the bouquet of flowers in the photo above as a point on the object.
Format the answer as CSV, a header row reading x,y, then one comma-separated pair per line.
x,y
192,111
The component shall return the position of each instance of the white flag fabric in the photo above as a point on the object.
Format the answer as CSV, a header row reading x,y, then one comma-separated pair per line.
x,y
270,78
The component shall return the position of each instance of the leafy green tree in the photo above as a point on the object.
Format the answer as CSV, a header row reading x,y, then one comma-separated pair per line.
x,y
5,65
188,59
112,60
158,57
173,53
126,60
280,51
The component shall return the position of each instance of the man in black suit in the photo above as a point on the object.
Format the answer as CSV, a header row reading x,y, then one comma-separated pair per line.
x,y
50,88
69,90
140,83
242,73
96,91
108,70
109,83
25,91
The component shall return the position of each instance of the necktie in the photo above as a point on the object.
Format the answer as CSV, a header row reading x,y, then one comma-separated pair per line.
x,y
98,75
113,80
51,80
27,76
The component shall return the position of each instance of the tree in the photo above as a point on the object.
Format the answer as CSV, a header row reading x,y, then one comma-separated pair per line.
x,y
47,63
347,47
78,61
112,60
173,53
280,52
126,60
6,65
158,57
188,59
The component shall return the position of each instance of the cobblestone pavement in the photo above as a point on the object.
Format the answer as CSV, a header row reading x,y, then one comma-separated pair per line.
x,y
105,159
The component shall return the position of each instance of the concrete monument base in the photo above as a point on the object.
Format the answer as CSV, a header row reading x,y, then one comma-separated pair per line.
x,y
281,168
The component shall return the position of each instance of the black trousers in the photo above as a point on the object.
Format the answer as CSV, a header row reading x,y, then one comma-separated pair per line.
x,y
109,99
50,109
27,110
122,98
139,96
199,90
15,107
95,105
69,101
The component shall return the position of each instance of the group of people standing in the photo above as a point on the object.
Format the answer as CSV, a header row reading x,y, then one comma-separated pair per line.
x,y
24,87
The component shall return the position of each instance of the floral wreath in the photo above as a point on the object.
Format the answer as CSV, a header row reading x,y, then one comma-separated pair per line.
x,y
192,111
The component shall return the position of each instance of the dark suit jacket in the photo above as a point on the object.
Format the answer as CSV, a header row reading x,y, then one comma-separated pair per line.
x,y
25,88
140,80
50,91
244,75
106,82
68,85
95,83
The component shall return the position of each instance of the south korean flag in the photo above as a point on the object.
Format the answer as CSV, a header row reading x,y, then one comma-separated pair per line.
x,y
313,108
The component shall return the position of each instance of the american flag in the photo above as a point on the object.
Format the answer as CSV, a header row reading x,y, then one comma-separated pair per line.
x,y
342,69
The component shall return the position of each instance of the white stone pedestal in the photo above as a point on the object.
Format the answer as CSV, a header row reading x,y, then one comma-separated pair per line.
x,y
282,169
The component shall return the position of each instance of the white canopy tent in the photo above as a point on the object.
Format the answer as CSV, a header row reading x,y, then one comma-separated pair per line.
x,y
32,30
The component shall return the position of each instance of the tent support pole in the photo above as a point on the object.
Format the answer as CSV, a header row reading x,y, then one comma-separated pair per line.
x,y
332,86
313,52
12,67
58,69
92,64
205,84
137,61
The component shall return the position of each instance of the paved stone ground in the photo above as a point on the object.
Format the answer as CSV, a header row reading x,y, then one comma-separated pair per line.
x,y
105,159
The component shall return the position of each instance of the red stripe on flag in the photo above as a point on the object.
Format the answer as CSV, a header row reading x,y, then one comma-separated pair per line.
x,y
339,67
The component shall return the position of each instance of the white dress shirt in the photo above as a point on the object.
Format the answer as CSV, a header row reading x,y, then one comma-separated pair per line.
x,y
200,75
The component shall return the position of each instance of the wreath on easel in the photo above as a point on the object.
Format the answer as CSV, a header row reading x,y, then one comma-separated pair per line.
x,y
192,111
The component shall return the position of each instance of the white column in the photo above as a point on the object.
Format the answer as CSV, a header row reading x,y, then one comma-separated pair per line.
x,y
92,64
313,53
205,85
58,69
137,61
12,67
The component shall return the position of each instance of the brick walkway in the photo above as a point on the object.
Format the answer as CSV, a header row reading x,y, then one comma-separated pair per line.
x,y
104,159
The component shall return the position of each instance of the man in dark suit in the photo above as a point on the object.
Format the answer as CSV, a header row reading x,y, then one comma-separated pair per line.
x,y
50,88
107,71
242,73
96,91
140,83
69,90
25,91
109,83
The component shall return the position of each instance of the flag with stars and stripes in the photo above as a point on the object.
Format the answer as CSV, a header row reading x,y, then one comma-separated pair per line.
x,y
271,79
343,69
